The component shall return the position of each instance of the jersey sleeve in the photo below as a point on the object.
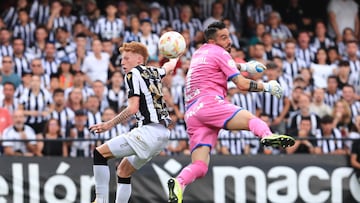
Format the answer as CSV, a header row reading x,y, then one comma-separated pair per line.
x,y
161,71
133,84
227,65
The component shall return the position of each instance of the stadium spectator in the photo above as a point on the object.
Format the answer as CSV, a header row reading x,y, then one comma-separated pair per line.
x,y
37,104
233,35
304,50
90,17
110,27
6,48
10,102
349,95
234,142
79,82
260,29
25,29
342,117
81,41
352,50
320,68
190,48
62,113
296,92
124,13
344,76
65,74
80,147
318,105
150,39
107,115
37,48
333,55
257,11
116,94
101,91
157,23
329,138
65,47
40,11
217,14
92,107
186,21
292,64
338,20
49,60
279,32
66,14
25,84
320,38
11,16
132,32
21,58
21,134
303,113
171,10
115,58
332,92
271,52
96,65
354,133
307,76
306,142
75,99
37,69
258,53
53,145
7,72
347,36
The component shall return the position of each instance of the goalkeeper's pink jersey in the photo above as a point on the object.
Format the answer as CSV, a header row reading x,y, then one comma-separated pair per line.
x,y
210,68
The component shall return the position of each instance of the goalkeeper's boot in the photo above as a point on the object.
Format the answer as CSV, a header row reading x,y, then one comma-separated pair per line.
x,y
175,191
276,140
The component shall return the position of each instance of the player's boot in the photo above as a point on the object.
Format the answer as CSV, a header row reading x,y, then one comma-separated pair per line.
x,y
175,191
276,140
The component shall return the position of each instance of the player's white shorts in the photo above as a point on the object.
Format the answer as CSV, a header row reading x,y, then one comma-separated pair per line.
x,y
140,144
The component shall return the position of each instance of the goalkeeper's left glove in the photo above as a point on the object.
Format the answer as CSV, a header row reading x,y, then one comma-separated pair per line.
x,y
252,67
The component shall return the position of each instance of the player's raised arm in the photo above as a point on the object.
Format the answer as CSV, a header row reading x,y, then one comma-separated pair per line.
x,y
244,84
251,67
170,65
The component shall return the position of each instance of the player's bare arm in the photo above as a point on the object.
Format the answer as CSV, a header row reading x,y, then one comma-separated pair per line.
x,y
131,109
170,65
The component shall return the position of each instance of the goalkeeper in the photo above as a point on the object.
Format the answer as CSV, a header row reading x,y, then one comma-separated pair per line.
x,y
207,110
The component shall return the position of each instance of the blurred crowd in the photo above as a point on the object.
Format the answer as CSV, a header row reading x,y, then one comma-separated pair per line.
x,y
61,71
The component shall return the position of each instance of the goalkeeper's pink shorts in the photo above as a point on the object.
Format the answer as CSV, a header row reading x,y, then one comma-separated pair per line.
x,y
205,117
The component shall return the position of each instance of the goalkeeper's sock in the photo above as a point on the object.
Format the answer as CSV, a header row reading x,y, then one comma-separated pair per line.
x,y
259,127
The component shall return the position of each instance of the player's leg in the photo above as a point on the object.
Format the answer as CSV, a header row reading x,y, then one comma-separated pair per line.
x,y
102,153
244,120
124,172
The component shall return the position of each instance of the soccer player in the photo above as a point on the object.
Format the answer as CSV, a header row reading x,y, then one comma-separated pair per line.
x,y
207,110
137,147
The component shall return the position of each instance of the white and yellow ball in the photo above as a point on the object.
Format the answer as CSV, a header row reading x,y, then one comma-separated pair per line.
x,y
171,44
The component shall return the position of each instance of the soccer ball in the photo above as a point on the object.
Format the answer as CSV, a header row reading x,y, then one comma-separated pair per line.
x,y
171,44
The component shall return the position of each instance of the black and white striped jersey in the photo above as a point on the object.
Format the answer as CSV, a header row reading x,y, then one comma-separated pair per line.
x,y
270,104
116,99
307,55
327,43
178,95
22,64
25,32
245,100
129,36
293,68
10,107
32,102
193,26
39,12
81,148
113,132
355,69
10,17
89,23
145,82
279,33
237,141
93,118
170,13
35,50
295,120
330,99
6,50
109,29
259,15
66,51
355,110
86,92
151,41
50,67
66,118
329,145
159,26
